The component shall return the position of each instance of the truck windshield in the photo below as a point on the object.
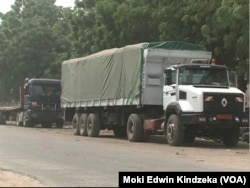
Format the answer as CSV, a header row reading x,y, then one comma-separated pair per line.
x,y
203,75
49,90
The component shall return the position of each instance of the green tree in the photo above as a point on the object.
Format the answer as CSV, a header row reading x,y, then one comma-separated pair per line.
x,y
230,34
35,41
36,36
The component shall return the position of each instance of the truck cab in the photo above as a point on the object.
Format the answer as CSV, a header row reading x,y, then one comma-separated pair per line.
x,y
41,103
199,101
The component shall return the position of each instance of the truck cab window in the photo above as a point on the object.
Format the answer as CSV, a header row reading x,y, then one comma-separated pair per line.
x,y
202,75
216,77
36,90
185,76
51,90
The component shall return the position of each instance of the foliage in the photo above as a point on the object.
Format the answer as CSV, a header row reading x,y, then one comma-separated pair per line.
x,y
33,43
37,36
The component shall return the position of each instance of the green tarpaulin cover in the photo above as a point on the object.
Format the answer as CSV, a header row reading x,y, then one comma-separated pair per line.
x,y
110,74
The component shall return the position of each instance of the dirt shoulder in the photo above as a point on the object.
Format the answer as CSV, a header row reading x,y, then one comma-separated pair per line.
x,y
13,179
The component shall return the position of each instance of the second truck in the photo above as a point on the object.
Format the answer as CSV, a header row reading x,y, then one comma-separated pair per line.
x,y
152,88
39,104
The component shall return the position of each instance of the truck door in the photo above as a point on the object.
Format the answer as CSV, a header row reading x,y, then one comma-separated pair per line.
x,y
169,90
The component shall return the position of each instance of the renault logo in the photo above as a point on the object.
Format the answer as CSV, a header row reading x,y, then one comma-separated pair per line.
x,y
224,102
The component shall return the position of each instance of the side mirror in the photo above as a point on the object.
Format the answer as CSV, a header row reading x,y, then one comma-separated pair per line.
x,y
26,89
168,77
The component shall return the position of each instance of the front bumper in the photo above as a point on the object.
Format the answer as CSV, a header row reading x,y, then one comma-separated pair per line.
x,y
44,116
211,120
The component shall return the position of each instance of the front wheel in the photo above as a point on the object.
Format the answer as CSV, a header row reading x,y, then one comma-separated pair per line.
x,y
174,131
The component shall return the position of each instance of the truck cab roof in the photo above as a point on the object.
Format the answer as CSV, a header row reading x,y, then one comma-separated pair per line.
x,y
44,81
173,67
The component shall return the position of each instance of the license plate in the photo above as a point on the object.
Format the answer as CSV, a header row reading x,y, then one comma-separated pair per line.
x,y
225,117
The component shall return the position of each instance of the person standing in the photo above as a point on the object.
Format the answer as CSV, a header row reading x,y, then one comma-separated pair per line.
x,y
213,61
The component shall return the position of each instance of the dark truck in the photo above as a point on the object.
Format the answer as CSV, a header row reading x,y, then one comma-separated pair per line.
x,y
39,104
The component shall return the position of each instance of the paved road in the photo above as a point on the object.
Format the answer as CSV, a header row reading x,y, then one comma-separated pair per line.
x,y
58,158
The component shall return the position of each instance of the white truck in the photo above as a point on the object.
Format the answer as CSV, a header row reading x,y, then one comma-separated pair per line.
x,y
152,88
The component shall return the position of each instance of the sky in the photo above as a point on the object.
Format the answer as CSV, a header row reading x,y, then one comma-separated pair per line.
x,y
5,5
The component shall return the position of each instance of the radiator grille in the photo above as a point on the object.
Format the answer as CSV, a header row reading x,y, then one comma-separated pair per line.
x,y
216,105
50,107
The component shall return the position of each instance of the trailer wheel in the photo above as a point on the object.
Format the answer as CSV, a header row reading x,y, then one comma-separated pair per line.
x,y
83,125
134,128
174,131
231,137
93,125
75,124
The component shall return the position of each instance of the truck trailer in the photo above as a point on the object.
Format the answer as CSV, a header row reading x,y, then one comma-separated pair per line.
x,y
152,88
39,104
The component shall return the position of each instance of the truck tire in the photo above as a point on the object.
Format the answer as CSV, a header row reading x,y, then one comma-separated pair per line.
x,y
93,125
75,124
174,131
134,128
231,137
83,125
